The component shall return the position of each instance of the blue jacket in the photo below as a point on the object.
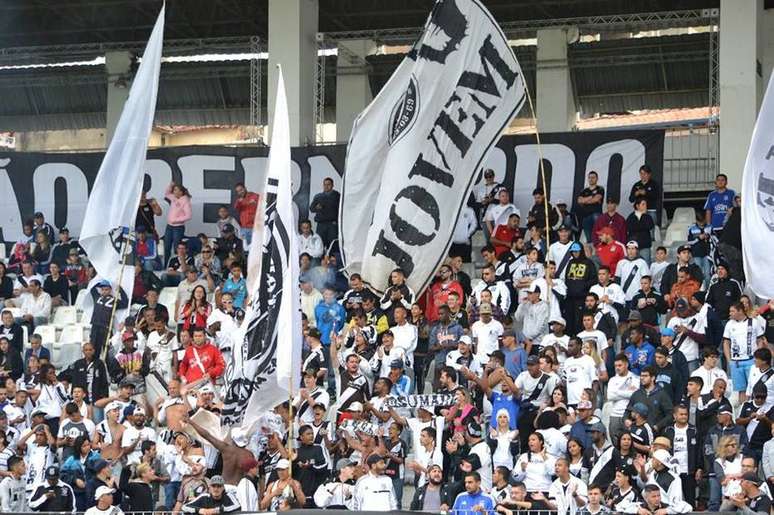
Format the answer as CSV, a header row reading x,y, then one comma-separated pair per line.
x,y
641,357
465,502
329,317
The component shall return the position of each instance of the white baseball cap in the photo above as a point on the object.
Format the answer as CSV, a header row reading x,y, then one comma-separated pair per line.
x,y
102,490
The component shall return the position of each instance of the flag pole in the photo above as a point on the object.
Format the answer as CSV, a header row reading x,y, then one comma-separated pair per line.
x,y
290,426
117,296
545,190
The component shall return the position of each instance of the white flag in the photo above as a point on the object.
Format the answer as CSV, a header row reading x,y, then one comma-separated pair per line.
x,y
266,363
113,202
758,201
416,149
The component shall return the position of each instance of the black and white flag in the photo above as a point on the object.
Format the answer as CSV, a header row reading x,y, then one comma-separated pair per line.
x,y
416,149
266,362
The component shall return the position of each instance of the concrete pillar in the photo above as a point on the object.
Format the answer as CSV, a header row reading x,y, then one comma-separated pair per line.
x,y
741,83
353,90
556,110
118,66
292,44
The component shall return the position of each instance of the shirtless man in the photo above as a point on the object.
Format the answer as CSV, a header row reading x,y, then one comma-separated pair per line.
x,y
234,451
108,434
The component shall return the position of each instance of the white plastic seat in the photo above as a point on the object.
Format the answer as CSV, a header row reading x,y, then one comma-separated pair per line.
x,y
65,354
64,316
685,215
72,333
167,297
81,297
47,333
677,231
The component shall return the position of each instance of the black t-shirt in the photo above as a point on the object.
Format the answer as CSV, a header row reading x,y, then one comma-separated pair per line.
x,y
57,287
398,448
768,316
175,262
353,389
145,217
762,432
584,210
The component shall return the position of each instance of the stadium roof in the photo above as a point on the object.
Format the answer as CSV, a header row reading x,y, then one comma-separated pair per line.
x,y
609,76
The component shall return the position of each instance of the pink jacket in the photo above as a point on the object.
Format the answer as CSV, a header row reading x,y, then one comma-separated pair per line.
x,y
179,208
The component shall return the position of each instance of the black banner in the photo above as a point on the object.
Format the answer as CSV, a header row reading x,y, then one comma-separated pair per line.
x,y
58,184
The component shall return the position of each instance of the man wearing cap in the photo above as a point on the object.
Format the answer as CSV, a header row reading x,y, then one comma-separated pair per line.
x,y
61,249
755,417
687,330
104,499
629,271
53,495
751,500
216,500
486,333
581,275
610,223
373,491
337,492
533,316
135,433
559,251
40,225
669,484
535,387
463,357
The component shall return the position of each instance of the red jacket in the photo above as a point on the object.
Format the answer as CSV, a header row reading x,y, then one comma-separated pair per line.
x,y
611,254
210,360
438,295
246,208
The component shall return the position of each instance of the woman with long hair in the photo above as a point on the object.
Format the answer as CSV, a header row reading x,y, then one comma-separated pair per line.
x,y
179,213
53,396
463,411
548,425
579,465
137,490
6,284
535,468
195,311
20,254
503,441
625,453
41,255
78,469
728,465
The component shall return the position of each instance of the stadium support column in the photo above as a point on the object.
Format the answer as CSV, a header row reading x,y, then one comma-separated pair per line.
x,y
741,82
118,66
353,90
292,44
556,110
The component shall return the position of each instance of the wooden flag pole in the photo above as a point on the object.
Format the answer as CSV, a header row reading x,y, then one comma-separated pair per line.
x,y
117,296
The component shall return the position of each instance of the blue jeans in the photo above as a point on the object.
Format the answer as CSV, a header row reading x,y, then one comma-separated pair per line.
x,y
588,225
706,267
172,236
246,234
715,494
171,490
397,485
645,254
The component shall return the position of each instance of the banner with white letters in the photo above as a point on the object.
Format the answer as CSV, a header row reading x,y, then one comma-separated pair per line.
x,y
59,184
414,151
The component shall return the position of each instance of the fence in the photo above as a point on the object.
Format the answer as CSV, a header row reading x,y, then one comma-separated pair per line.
x,y
690,159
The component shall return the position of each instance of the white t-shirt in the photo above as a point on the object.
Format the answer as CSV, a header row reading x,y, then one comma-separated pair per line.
x,y
579,373
598,335
526,384
680,453
620,390
710,376
742,344
112,510
37,458
498,214
560,343
131,435
562,494
486,337
696,323
484,453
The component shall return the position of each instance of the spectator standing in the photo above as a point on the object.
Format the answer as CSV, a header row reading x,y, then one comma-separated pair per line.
x,y
466,225
648,189
102,314
588,205
719,203
40,225
699,235
178,214
325,206
610,218
609,250
246,205
224,219
438,294
61,249
309,242
201,359
639,227
485,193
498,213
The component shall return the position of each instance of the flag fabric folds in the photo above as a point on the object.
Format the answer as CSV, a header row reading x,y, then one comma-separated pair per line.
x,y
416,150
267,358
758,201
115,196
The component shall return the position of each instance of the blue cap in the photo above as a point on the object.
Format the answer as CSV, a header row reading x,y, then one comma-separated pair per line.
x,y
668,331
575,247
104,284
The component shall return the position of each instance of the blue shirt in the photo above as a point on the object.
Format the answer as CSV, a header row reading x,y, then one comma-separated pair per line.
x,y
238,289
465,502
641,357
329,317
718,205
402,386
515,361
508,403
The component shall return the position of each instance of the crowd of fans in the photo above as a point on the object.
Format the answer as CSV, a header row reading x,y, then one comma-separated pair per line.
x,y
578,374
